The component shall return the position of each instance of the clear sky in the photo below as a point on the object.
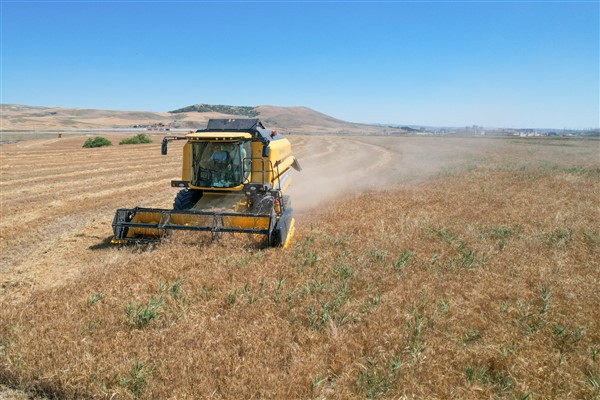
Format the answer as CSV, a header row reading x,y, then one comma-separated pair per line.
x,y
443,63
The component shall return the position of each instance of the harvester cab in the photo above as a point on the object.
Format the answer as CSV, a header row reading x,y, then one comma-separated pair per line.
x,y
233,179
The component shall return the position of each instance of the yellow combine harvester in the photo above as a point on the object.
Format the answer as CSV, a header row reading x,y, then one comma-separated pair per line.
x,y
234,175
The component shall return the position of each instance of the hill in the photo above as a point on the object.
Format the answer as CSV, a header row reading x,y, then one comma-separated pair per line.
x,y
17,117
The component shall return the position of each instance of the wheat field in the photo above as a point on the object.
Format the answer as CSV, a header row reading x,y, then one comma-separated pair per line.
x,y
422,267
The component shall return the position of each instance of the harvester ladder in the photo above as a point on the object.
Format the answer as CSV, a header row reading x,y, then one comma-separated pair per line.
x,y
262,171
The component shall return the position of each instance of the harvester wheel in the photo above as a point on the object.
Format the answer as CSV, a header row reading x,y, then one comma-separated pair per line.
x,y
276,239
186,199
283,231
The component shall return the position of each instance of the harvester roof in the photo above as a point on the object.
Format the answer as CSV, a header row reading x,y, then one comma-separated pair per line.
x,y
252,126
242,124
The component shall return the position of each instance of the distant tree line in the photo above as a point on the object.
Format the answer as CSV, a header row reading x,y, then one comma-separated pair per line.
x,y
409,129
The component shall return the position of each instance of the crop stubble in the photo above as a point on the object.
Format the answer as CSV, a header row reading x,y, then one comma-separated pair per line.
x,y
427,267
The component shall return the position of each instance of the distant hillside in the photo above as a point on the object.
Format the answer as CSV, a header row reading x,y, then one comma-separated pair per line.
x,y
289,119
23,117
300,120
300,117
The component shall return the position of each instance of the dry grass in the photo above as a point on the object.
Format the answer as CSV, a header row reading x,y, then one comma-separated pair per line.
x,y
477,283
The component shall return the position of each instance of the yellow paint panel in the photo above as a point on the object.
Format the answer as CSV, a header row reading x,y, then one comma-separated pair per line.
x,y
191,220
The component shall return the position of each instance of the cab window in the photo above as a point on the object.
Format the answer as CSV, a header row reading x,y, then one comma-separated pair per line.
x,y
219,164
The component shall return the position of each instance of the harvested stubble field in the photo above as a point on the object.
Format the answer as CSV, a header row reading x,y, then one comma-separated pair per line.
x,y
421,268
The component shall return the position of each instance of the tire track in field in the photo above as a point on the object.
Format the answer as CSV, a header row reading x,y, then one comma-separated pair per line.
x,y
32,144
347,165
326,147
330,169
385,155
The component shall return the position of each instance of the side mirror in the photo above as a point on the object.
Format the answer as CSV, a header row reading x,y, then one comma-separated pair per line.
x,y
266,152
296,165
163,149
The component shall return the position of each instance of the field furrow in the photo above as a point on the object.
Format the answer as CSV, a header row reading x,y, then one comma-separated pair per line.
x,y
63,183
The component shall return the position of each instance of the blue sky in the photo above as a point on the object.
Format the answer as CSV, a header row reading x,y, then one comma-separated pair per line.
x,y
444,63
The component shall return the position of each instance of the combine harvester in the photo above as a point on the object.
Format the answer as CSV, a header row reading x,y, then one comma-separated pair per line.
x,y
234,175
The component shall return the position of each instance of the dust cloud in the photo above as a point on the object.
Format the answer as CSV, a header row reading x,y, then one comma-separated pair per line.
x,y
334,166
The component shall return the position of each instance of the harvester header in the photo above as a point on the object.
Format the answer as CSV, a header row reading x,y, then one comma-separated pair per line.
x,y
234,177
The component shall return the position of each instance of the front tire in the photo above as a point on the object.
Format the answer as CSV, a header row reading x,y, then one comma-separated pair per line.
x,y
283,230
186,199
